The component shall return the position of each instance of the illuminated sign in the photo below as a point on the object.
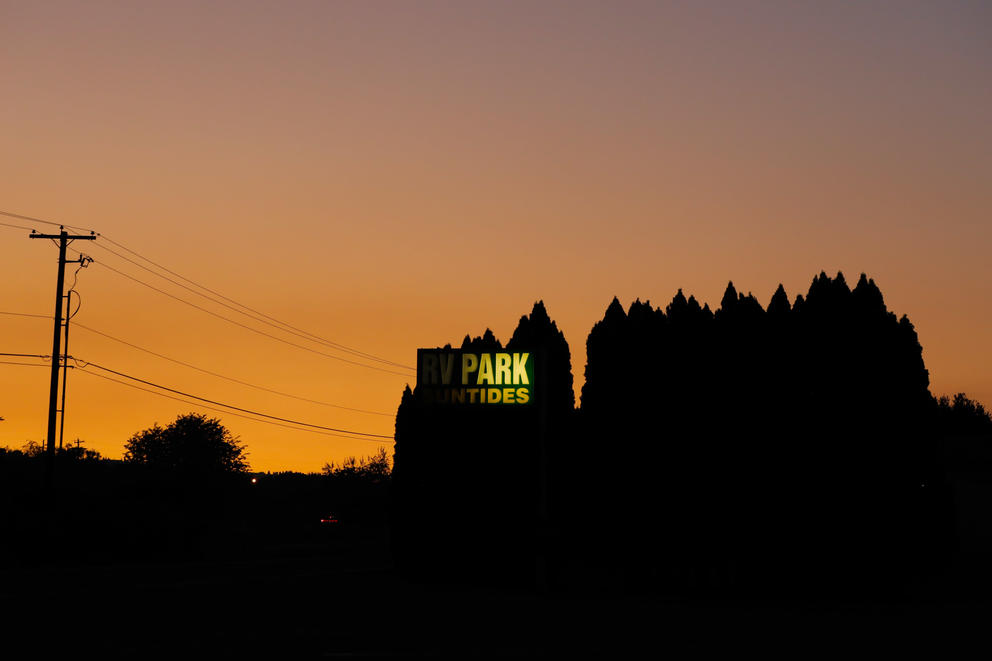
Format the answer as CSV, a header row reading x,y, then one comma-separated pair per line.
x,y
457,376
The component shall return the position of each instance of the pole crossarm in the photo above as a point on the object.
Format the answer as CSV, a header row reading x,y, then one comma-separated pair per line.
x,y
69,237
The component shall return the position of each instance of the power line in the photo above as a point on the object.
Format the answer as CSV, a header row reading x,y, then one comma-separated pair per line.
x,y
88,364
246,327
25,314
203,370
16,227
226,412
222,376
10,362
307,426
260,317
46,222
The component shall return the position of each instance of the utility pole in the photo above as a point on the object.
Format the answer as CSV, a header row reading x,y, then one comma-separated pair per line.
x,y
53,400
65,361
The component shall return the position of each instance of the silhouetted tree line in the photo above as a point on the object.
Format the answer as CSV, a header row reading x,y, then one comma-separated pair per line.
x,y
792,441
157,506
793,444
961,416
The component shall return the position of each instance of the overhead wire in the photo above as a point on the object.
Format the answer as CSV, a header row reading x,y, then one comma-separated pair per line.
x,y
203,370
283,326
26,314
255,315
46,222
16,227
225,377
250,328
226,412
83,364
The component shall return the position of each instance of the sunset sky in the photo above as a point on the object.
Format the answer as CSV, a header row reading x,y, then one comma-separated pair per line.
x,y
394,175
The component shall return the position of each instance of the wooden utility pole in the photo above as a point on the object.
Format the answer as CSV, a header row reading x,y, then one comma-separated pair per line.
x,y
53,400
65,359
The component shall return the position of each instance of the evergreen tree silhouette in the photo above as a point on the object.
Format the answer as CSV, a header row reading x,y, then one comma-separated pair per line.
x,y
755,448
769,441
471,485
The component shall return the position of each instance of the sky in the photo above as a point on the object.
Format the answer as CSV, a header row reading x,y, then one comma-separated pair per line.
x,y
394,175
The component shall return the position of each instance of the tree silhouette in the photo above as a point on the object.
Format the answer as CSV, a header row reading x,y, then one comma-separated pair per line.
x,y
962,416
374,467
192,443
470,484
786,445
769,441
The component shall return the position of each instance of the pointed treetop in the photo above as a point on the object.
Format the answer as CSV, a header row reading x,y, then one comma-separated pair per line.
x,y
868,296
729,297
840,284
677,305
538,319
539,313
487,342
780,302
614,311
820,287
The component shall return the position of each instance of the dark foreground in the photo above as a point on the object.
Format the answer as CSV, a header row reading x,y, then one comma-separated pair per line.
x,y
340,597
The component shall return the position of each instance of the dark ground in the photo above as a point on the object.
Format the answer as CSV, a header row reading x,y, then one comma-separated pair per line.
x,y
339,597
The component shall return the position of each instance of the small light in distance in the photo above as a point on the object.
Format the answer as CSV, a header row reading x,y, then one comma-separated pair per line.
x,y
254,480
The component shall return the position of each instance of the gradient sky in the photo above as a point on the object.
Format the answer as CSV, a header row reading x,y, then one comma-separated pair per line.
x,y
393,175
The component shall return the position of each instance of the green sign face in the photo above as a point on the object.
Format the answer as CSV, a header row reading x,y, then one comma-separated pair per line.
x,y
456,376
